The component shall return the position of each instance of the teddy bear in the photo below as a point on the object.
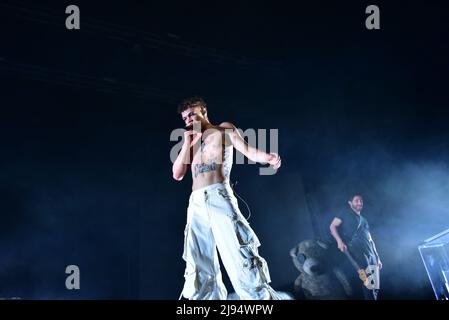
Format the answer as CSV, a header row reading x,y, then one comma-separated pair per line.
x,y
320,278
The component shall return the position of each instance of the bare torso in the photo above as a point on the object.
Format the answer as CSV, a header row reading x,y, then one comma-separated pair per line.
x,y
208,160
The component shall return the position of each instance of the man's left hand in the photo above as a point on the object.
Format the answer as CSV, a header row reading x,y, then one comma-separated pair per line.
x,y
275,160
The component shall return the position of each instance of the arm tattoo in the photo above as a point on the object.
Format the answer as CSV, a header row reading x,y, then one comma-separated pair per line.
x,y
203,167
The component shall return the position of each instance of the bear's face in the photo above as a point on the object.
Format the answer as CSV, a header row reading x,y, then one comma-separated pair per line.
x,y
319,278
311,256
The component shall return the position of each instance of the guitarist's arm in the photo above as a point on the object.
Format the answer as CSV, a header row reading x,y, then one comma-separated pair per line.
x,y
336,222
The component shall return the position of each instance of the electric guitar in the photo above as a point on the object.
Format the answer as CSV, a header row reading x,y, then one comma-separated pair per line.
x,y
369,276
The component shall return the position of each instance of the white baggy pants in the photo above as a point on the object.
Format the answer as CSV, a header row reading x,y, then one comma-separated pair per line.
x,y
214,221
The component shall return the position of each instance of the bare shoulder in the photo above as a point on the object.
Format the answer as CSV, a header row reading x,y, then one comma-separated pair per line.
x,y
230,131
227,125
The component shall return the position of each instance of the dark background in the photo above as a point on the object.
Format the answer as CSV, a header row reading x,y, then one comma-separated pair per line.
x,y
87,114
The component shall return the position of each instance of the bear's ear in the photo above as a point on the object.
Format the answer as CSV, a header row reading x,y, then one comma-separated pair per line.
x,y
322,244
308,243
294,251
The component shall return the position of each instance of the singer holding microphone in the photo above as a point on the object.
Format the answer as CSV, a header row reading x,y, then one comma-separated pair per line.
x,y
214,221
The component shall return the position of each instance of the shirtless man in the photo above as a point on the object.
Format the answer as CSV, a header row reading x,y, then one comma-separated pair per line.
x,y
214,221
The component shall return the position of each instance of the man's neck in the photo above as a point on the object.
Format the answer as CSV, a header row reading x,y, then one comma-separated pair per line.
x,y
203,126
206,125
357,212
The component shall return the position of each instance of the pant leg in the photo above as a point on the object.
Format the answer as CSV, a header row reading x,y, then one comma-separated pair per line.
x,y
203,280
370,294
352,277
238,247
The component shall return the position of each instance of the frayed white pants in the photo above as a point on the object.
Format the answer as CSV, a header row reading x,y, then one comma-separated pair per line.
x,y
214,221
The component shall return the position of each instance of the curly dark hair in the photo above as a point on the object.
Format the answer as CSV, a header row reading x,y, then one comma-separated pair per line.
x,y
353,195
191,102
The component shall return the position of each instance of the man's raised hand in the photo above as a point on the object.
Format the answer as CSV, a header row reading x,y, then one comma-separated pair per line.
x,y
191,137
275,160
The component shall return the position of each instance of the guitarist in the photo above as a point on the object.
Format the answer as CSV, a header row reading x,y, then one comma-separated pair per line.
x,y
351,231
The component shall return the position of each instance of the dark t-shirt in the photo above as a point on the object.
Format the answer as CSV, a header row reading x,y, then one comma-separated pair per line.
x,y
354,231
